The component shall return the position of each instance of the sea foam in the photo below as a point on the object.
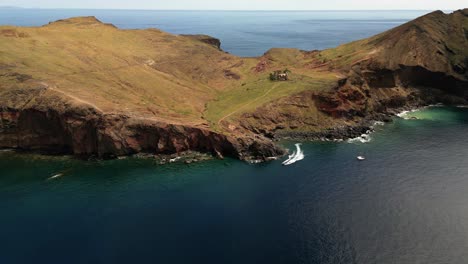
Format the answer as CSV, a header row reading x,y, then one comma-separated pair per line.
x,y
405,114
364,138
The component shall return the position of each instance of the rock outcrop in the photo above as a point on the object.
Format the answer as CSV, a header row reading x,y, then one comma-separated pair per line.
x,y
206,39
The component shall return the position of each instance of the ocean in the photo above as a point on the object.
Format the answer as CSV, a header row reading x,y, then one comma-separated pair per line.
x,y
407,203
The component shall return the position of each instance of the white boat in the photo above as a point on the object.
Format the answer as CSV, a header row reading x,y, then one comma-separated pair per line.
x,y
295,156
361,158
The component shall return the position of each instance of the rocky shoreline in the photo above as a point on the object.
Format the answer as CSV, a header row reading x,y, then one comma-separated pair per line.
x,y
338,134
343,133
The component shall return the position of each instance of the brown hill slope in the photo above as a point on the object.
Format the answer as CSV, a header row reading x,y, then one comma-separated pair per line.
x,y
436,41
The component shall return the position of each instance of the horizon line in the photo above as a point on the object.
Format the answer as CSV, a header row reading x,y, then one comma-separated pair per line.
x,y
224,10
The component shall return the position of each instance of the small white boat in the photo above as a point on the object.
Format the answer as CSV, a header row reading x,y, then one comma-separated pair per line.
x,y
361,158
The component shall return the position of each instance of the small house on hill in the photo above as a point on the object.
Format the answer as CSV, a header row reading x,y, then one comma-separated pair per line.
x,y
280,75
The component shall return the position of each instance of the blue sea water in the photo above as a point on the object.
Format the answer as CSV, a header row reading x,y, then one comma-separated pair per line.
x,y
407,203
244,33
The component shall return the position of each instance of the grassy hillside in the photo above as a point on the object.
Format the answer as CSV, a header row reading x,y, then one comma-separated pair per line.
x,y
149,73
135,71
257,92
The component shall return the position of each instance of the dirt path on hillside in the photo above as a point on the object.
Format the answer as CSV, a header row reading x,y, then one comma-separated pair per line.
x,y
247,104
55,89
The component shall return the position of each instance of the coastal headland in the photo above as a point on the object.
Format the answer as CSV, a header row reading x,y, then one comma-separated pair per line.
x,y
83,87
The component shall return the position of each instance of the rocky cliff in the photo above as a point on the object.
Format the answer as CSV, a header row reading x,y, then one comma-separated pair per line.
x,y
47,123
423,61
206,39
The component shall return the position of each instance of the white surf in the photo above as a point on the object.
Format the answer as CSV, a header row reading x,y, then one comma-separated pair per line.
x,y
364,138
406,114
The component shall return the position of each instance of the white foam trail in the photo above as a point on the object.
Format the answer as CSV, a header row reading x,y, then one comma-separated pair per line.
x,y
55,176
295,157
6,150
290,157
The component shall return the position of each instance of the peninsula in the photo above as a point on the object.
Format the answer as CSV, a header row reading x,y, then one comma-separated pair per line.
x,y
79,86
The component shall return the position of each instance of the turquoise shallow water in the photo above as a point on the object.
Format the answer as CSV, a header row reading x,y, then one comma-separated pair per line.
x,y
407,203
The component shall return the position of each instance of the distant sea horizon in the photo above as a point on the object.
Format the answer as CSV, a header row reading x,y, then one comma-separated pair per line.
x,y
230,10
245,33
233,10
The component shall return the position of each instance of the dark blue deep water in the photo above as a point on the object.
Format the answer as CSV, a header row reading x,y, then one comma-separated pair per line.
x,y
406,204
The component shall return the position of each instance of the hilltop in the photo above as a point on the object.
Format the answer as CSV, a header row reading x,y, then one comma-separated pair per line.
x,y
85,87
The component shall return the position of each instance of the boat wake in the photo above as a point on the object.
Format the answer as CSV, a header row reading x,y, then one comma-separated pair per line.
x,y
296,156
58,175
6,150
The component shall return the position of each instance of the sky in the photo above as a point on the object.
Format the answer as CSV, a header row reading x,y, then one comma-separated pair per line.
x,y
244,4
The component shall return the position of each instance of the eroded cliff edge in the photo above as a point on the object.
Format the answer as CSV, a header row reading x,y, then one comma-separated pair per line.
x,y
48,123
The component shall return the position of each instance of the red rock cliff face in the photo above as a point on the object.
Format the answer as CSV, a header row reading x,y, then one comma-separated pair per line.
x,y
86,134
39,120
43,122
